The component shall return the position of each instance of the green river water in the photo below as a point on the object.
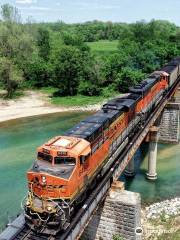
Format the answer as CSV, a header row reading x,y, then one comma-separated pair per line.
x,y
18,142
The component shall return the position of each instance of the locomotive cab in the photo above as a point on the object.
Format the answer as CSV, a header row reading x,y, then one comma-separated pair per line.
x,y
52,182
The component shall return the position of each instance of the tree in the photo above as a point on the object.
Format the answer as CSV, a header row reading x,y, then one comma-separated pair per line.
x,y
127,78
112,66
10,14
68,70
16,44
10,76
43,42
39,73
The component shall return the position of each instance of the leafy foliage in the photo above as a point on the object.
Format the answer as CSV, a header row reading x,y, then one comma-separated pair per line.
x,y
68,70
10,76
117,237
127,78
43,42
94,58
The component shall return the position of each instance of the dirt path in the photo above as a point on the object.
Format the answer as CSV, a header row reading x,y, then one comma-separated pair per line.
x,y
34,103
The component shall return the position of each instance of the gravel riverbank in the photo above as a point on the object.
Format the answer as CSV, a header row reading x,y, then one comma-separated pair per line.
x,y
33,104
167,208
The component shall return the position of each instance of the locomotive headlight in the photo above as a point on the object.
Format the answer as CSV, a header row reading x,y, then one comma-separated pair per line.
x,y
27,203
49,208
43,179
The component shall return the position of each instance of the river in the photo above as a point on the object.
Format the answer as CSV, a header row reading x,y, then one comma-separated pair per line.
x,y
18,142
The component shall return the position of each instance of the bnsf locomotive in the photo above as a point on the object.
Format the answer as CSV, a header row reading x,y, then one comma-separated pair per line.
x,y
68,166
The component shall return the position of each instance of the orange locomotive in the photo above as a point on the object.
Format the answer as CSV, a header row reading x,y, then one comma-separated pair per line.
x,y
68,166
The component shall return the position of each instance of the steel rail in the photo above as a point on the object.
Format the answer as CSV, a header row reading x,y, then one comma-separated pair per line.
x,y
28,234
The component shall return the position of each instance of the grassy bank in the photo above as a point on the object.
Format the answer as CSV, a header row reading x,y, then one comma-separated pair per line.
x,y
72,101
77,100
170,236
104,47
168,228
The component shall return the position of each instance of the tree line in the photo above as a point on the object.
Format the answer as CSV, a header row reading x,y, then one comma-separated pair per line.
x,y
36,55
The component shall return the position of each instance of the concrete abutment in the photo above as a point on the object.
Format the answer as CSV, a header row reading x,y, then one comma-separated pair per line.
x,y
118,215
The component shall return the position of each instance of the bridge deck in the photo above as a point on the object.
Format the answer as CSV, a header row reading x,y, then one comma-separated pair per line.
x,y
13,228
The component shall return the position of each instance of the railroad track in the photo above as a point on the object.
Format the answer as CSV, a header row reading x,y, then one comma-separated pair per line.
x,y
28,234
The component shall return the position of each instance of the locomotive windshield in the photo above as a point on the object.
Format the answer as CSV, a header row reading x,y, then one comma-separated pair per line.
x,y
65,160
45,157
57,160
59,166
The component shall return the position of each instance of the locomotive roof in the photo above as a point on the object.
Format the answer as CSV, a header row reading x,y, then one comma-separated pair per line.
x,y
169,68
122,103
111,114
144,85
96,118
175,61
86,128
83,128
71,144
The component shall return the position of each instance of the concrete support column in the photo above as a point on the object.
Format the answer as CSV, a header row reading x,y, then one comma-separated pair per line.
x,y
152,158
129,171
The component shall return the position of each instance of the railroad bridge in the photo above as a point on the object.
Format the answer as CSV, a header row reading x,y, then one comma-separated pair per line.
x,y
162,125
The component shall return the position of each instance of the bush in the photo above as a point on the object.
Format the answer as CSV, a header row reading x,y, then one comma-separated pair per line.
x,y
88,89
109,91
117,237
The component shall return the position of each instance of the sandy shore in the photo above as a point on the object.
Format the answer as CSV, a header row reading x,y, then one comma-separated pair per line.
x,y
32,104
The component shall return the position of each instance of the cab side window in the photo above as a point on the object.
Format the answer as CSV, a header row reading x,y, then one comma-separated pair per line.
x,y
83,158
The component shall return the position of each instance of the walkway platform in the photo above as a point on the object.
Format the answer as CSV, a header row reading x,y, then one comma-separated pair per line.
x,y
13,228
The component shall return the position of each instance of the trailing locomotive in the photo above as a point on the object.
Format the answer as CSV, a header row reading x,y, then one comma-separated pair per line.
x,y
68,166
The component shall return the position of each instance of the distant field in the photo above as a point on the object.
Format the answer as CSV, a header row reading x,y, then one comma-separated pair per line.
x,y
103,47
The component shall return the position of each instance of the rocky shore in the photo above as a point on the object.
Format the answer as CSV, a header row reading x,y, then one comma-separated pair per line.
x,y
166,208
161,220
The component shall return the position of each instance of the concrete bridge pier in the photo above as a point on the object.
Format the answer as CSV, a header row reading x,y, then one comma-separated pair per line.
x,y
130,170
118,215
152,158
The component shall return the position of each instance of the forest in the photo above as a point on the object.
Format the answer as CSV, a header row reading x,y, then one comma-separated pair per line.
x,y
69,57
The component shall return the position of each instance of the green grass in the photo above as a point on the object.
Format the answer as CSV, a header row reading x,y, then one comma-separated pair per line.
x,y
170,227
170,236
48,90
77,100
103,47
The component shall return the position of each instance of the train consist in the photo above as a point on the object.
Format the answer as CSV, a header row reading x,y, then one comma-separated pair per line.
x,y
68,167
